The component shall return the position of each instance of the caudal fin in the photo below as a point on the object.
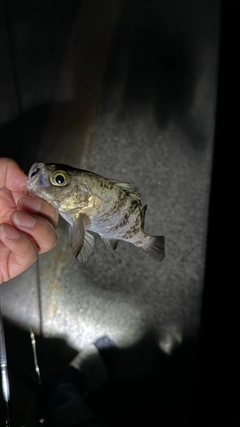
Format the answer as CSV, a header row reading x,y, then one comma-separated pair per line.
x,y
154,246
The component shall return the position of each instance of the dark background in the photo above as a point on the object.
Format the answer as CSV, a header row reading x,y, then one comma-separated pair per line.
x,y
167,80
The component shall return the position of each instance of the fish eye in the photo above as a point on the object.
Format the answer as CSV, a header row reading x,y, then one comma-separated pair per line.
x,y
35,172
60,178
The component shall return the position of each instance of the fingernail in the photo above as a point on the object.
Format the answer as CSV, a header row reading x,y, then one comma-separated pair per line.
x,y
30,203
23,220
9,232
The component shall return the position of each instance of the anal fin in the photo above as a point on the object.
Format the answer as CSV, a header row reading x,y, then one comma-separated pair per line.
x,y
112,243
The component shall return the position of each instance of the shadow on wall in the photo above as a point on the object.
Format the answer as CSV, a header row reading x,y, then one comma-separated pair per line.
x,y
21,138
158,72
144,383
150,65
153,66
154,72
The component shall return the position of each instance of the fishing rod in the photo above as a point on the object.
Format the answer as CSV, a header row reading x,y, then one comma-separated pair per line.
x,y
4,368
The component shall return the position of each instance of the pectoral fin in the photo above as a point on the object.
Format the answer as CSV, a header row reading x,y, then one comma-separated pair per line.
x,y
112,243
87,248
77,235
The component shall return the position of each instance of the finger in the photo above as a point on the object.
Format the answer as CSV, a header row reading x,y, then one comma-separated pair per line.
x,y
39,229
11,176
40,207
23,251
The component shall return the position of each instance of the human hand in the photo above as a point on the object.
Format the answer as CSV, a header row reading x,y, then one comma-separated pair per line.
x,y
27,224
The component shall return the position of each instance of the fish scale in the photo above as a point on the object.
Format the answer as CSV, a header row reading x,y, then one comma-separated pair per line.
x,y
90,202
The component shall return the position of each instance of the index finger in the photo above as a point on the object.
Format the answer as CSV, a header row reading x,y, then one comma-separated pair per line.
x,y
11,176
37,206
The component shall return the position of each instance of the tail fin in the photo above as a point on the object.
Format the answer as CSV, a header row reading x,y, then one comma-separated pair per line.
x,y
154,247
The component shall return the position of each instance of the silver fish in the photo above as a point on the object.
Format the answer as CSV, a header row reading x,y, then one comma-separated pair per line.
x,y
90,202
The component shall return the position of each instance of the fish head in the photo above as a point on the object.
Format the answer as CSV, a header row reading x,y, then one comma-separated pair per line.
x,y
56,183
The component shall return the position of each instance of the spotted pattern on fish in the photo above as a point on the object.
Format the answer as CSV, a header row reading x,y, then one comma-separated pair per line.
x,y
90,202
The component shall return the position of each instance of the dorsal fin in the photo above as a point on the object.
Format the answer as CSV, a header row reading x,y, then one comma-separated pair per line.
x,y
128,188
143,212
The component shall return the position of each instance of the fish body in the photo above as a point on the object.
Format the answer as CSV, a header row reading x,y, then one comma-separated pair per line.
x,y
90,202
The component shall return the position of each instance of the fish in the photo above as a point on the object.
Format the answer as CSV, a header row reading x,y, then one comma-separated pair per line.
x,y
92,203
